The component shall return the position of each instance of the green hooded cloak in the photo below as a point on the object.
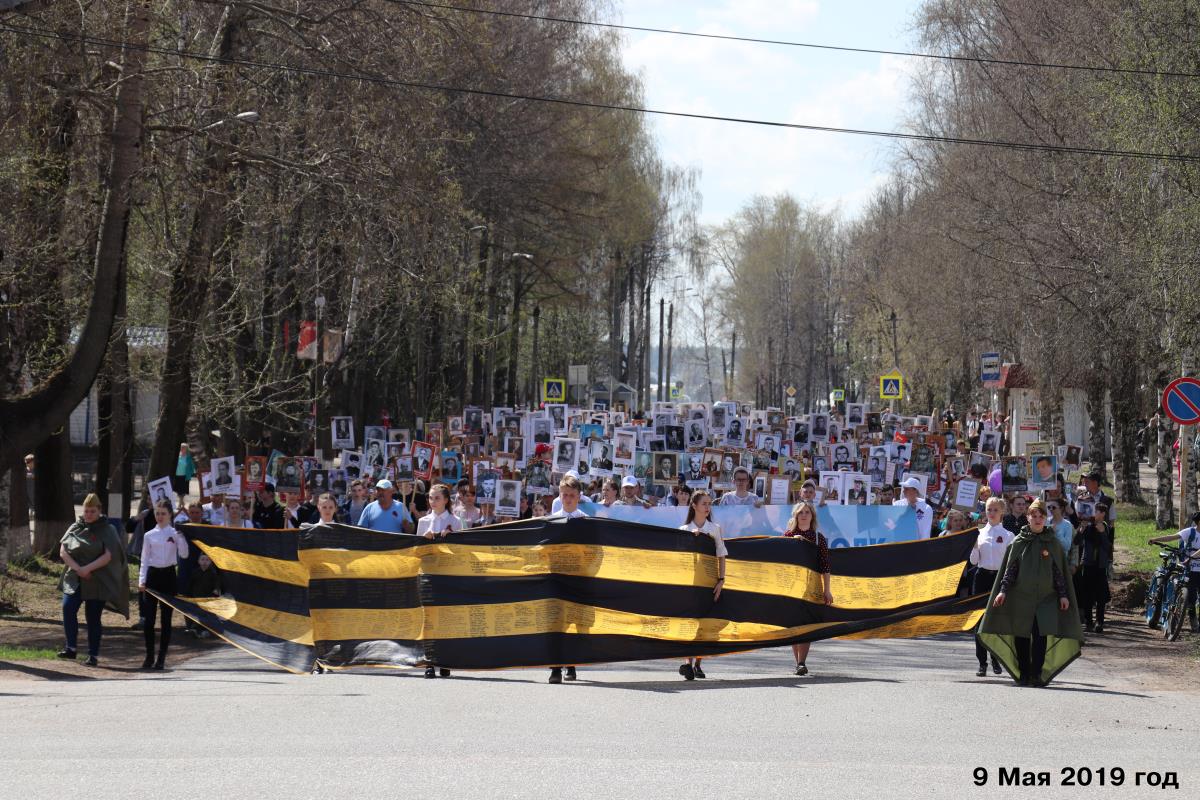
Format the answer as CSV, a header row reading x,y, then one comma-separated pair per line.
x,y
85,542
1033,596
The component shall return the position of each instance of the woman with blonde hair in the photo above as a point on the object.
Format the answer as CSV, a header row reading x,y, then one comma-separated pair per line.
x,y
95,577
803,525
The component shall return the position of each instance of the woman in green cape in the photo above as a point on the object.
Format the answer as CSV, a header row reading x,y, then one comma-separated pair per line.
x,y
1032,620
96,576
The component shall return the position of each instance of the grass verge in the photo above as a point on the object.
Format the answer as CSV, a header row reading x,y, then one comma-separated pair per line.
x,y
16,653
1135,524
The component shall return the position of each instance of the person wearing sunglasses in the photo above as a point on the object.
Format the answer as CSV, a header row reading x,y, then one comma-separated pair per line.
x,y
1032,620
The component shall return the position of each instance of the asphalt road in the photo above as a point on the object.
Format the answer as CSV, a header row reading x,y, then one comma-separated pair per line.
x,y
886,719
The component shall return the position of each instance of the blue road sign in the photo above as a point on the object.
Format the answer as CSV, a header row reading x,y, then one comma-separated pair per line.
x,y
989,367
1181,401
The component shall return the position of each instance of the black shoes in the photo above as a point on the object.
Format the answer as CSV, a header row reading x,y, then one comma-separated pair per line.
x,y
90,661
148,662
445,673
161,663
1099,627
688,673
996,667
801,669
982,671
67,654
570,676
699,673
555,674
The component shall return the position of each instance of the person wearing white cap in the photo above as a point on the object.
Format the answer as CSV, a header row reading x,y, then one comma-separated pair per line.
x,y
911,491
385,514
629,493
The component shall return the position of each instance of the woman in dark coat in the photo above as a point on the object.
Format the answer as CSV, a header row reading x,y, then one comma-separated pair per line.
x,y
95,577
1032,621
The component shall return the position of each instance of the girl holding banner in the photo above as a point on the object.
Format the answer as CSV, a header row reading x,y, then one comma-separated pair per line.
x,y
698,522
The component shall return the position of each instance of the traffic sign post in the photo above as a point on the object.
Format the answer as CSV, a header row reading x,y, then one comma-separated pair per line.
x,y
1181,401
891,386
989,369
838,395
554,390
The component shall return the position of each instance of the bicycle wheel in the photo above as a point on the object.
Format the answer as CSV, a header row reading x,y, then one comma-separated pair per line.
x,y
1175,614
1154,601
1165,606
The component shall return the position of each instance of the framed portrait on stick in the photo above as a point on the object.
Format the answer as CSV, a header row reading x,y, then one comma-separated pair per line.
x,y
508,499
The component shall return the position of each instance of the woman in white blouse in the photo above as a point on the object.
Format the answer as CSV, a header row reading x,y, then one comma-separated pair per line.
x,y
987,555
699,521
162,547
438,522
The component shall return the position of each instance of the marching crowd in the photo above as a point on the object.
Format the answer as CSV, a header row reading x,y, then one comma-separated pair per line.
x,y
955,473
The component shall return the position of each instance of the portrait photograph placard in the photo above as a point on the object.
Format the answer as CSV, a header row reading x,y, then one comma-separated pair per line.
x,y
566,455
342,433
159,490
508,499
1043,474
1013,477
422,456
254,473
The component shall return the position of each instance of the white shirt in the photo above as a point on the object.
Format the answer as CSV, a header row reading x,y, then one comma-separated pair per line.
x,y
924,516
216,514
731,499
437,523
161,547
988,552
713,530
576,514
1192,546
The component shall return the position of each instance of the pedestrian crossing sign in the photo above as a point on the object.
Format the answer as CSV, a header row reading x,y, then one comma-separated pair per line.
x,y
891,386
554,390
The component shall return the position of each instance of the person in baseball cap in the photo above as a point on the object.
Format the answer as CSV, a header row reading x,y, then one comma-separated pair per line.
x,y
385,514
629,493
911,490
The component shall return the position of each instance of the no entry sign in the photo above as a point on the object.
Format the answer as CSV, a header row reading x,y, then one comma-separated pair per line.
x,y
1181,401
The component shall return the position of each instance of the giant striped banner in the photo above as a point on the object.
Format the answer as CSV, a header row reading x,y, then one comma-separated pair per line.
x,y
559,591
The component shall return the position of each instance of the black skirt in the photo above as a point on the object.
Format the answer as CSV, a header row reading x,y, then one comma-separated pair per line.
x,y
161,580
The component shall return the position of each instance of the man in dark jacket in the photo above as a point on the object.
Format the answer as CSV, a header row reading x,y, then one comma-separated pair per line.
x,y
268,514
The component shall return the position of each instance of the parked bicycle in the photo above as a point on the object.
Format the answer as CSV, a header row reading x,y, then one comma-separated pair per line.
x,y
1174,607
1156,592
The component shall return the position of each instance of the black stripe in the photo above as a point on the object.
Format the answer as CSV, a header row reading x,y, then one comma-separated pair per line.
x,y
257,591
349,537
656,600
361,593
272,544
562,648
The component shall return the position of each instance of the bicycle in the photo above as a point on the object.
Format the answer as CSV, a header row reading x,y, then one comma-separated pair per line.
x,y
1175,603
1158,586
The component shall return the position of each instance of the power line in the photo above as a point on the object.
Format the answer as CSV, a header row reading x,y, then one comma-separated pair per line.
x,y
810,45
46,33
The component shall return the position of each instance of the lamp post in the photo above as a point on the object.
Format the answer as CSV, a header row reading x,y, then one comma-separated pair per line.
x,y
514,333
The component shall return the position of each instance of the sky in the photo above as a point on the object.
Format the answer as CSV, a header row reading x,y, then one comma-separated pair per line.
x,y
772,82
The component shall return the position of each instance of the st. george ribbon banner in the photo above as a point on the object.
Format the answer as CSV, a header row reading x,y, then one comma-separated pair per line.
x,y
551,591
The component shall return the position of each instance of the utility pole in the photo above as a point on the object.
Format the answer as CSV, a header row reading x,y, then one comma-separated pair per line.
x,y
533,373
662,306
732,360
670,335
895,346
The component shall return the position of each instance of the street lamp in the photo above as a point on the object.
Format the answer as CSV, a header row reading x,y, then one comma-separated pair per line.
x,y
248,117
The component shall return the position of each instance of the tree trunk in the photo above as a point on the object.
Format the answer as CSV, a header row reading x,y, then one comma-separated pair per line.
x,y
190,280
25,421
53,493
1123,382
1164,506
1098,415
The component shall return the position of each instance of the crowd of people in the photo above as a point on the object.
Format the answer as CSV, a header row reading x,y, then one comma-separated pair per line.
x,y
480,468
